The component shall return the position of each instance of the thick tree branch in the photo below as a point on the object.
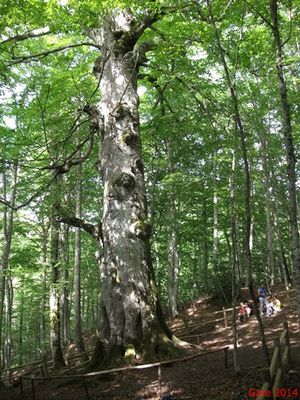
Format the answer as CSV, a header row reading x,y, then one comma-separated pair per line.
x,y
38,56
141,50
93,230
146,23
27,35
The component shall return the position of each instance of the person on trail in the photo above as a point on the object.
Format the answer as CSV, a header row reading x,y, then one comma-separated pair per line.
x,y
277,304
270,307
249,308
262,298
242,312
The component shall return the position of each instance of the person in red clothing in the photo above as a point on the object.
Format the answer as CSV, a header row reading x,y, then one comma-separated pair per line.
x,y
242,312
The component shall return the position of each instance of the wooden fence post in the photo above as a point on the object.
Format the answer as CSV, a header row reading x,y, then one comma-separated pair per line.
x,y
33,389
286,326
226,357
21,386
266,376
86,389
277,344
276,361
45,368
159,379
225,318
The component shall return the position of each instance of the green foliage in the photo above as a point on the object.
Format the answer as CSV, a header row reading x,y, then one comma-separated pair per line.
x,y
188,138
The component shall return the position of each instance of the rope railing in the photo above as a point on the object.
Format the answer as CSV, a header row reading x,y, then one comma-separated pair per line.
x,y
43,366
84,377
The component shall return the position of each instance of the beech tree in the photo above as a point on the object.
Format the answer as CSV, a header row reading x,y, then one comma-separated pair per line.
x,y
208,84
131,318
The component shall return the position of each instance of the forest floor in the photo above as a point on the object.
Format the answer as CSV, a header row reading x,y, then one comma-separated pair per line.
x,y
202,377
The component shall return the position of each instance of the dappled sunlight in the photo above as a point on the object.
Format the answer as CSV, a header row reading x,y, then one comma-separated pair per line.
x,y
206,374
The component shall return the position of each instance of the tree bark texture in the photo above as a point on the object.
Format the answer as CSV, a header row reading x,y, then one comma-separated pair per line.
x,y
7,348
55,317
64,297
268,207
205,258
45,236
77,264
173,255
130,312
7,238
236,282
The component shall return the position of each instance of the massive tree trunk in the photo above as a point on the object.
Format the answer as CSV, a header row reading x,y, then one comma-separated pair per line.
x,y
131,320
289,147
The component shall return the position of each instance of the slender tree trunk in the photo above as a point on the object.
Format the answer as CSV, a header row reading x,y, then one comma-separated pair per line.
x,y
196,277
64,298
248,213
7,238
235,285
270,236
215,253
77,264
45,237
289,147
55,318
173,255
205,242
7,348
21,326
287,276
172,246
284,268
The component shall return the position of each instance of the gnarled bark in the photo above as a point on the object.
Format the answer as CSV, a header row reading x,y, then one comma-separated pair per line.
x,y
131,320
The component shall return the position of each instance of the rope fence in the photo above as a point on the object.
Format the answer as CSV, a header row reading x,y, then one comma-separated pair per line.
x,y
84,377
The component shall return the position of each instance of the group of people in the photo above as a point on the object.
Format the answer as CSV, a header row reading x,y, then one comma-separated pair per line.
x,y
268,305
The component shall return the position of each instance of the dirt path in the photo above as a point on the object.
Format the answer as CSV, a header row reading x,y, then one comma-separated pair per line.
x,y
200,378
